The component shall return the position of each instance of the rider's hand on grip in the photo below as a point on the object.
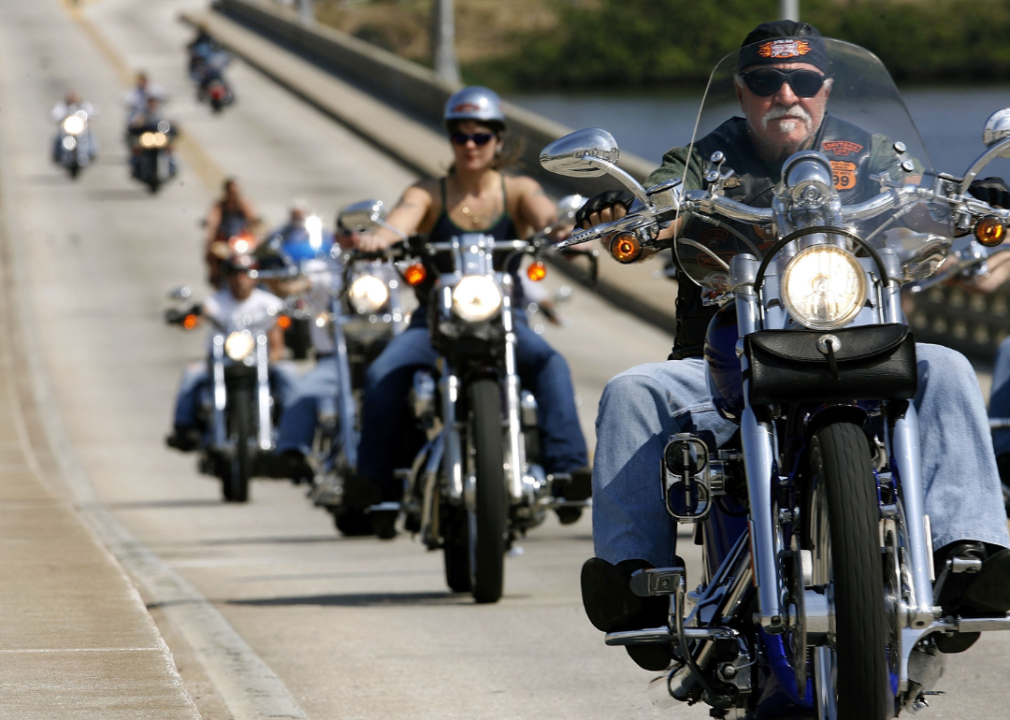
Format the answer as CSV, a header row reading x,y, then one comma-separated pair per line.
x,y
992,190
605,207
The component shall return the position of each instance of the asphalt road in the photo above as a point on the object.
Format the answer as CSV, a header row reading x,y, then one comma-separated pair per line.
x,y
351,628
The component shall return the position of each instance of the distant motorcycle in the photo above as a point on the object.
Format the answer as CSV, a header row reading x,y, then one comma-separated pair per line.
x,y
207,65
238,404
75,149
152,155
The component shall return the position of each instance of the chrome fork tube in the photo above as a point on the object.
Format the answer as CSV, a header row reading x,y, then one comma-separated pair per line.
x,y
348,409
516,455
453,457
908,462
220,390
759,457
263,391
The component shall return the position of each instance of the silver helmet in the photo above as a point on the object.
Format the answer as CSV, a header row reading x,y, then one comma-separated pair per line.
x,y
474,103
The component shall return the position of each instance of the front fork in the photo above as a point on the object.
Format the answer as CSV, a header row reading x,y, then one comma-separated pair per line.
x,y
515,461
265,431
220,391
348,408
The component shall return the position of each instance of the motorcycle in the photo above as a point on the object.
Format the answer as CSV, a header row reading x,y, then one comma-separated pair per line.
x,y
816,592
238,406
477,482
75,143
212,86
152,154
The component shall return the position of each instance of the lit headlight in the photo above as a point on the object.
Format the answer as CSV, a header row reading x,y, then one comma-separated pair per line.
x,y
239,345
154,139
368,293
824,287
73,125
476,298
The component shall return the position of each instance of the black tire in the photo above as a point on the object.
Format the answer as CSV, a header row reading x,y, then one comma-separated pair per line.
x,y
843,481
487,549
352,523
74,170
154,185
456,551
236,484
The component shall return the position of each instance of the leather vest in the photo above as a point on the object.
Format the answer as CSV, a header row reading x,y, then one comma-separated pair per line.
x,y
845,145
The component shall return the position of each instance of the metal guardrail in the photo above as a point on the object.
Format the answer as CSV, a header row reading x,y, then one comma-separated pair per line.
x,y
970,323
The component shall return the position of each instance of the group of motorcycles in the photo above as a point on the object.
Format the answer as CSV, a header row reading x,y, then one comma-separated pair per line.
x,y
817,583
149,136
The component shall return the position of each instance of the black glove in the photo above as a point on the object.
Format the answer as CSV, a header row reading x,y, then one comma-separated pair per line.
x,y
599,202
992,190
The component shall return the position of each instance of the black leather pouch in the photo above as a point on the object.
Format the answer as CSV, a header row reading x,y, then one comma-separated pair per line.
x,y
872,362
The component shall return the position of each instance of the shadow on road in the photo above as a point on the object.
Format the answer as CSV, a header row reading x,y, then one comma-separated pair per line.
x,y
164,504
362,600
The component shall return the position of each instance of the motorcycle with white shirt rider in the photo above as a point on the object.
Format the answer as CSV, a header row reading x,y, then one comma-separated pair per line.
x,y
74,146
228,404
839,476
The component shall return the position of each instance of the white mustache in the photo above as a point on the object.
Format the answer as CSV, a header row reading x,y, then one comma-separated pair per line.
x,y
779,112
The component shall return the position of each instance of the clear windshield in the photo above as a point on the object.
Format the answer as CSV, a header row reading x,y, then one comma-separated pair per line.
x,y
772,99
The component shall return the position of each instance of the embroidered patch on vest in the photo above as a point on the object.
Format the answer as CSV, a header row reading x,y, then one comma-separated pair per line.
x,y
784,49
842,147
844,174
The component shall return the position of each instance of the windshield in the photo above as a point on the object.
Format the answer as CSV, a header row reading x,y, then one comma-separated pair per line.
x,y
769,100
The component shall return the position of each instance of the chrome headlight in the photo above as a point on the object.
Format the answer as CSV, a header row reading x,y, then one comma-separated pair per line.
x,y
476,298
73,125
239,345
824,287
368,293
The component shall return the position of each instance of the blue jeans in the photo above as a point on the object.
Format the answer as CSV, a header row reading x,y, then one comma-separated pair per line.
x,y
195,380
642,407
999,399
298,424
389,438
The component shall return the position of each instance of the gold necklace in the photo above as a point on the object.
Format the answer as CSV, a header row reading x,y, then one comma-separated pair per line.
x,y
476,218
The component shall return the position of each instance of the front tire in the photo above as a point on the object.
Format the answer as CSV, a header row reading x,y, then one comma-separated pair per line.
x,y
236,485
851,673
488,510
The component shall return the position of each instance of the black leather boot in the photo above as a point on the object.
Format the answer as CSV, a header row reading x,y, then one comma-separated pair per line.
x,y
982,594
612,607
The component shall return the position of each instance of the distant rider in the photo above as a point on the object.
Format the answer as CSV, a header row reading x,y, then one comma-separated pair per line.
x,y
474,197
230,215
238,300
783,96
61,111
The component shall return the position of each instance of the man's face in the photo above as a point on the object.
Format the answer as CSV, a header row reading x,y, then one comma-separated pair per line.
x,y
297,217
240,284
784,119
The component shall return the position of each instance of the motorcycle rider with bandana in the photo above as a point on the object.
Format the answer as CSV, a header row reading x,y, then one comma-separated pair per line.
x,y
475,197
783,84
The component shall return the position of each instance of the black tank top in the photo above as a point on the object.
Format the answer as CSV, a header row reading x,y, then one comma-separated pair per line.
x,y
503,228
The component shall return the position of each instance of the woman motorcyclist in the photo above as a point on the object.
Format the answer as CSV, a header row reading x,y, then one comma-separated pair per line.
x,y
645,405
475,196
228,216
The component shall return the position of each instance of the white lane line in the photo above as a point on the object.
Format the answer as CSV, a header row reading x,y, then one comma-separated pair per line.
x,y
14,651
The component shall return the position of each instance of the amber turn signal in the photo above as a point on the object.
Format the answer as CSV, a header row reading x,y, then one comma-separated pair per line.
x,y
189,322
284,322
625,247
990,231
536,271
415,274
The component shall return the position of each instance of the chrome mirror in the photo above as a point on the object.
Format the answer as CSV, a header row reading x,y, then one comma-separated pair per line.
x,y
180,293
363,216
573,154
997,129
568,206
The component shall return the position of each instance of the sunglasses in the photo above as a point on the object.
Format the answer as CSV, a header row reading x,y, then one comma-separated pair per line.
x,y
767,81
478,138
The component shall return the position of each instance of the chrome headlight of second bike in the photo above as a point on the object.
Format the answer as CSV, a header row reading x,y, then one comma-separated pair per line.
x,y
476,298
368,294
73,125
239,345
824,287
153,140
